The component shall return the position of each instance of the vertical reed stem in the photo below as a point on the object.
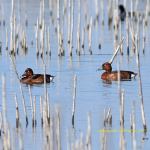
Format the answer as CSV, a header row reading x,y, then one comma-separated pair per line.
x,y
78,29
69,23
122,110
58,139
144,37
6,39
133,127
74,99
17,112
140,89
58,27
90,36
71,26
4,107
88,137
83,37
36,37
24,105
48,42
41,110
127,34
1,124
34,112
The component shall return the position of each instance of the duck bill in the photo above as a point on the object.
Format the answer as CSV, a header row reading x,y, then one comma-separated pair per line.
x,y
24,75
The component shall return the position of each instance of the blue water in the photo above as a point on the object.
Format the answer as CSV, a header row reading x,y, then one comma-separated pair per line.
x,y
93,95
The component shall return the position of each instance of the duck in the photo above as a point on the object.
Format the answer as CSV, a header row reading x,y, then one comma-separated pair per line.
x,y
110,75
29,77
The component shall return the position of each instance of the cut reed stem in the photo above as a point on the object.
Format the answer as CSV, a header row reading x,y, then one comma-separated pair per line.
x,y
116,51
17,112
140,89
74,99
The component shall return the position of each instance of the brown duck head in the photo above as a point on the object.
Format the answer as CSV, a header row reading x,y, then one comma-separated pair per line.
x,y
107,67
28,73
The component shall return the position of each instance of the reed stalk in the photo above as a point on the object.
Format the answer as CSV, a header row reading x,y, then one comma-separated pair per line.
x,y
65,8
6,137
102,11
138,30
147,10
132,36
11,28
74,99
45,125
34,113
140,89
108,118
30,94
144,36
97,10
122,141
24,105
78,28
48,109
6,39
7,140
20,137
51,133
45,86
58,28
88,136
17,38
58,138
122,136
14,34
41,110
104,141
48,42
110,12
116,51
69,22
40,17
83,39
127,34
17,113
20,86
36,37
86,12
90,36
131,9
121,47
122,110
71,27
0,48
4,107
1,124
42,31
133,128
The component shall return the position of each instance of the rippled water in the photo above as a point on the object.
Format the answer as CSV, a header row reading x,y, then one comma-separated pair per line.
x,y
93,95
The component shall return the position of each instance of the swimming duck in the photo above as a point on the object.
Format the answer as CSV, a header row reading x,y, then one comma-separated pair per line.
x,y
30,78
110,75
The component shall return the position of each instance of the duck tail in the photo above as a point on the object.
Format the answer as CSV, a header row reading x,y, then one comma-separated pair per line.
x,y
133,75
51,77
